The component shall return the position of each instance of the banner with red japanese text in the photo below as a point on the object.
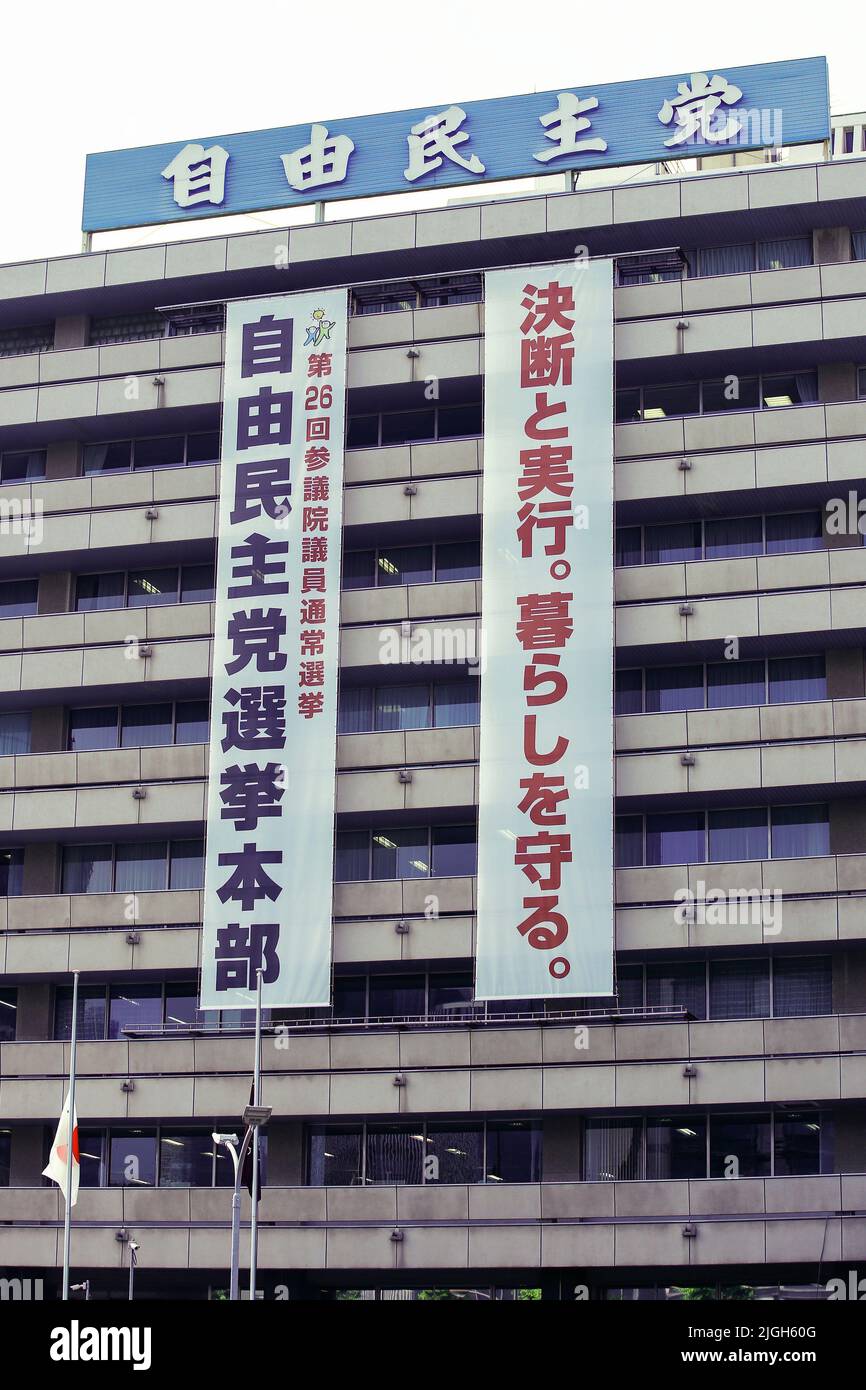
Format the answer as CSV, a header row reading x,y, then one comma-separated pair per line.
x,y
270,829
545,831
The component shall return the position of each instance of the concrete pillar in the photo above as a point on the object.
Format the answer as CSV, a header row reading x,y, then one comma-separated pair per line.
x,y
34,1013
55,592
26,1156
41,868
831,244
848,825
71,331
285,1155
845,673
562,1144
48,729
63,459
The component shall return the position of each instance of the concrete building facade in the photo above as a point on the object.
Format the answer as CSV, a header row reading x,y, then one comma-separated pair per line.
x,y
707,1126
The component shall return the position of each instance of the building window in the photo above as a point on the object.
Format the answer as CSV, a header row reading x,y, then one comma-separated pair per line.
x,y
136,726
765,392
411,564
11,873
5,1156
18,598
136,867
428,1153
423,425
780,254
15,732
721,685
19,466
144,588
676,542
699,837
430,292
159,451
170,1156
404,853
759,987
20,342
696,1145
126,328
445,705
8,1014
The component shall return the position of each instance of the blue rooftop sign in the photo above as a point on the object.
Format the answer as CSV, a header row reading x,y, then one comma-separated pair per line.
x,y
696,113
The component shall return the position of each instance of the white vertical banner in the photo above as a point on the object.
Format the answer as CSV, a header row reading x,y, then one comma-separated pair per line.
x,y
545,832
270,826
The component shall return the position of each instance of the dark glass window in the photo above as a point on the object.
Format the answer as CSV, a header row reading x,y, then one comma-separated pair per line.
x,y
132,1159
676,1147
458,1153
359,569
351,856
672,541
734,683
20,466
350,997
670,688
192,721
152,588
186,864
454,850
145,726
401,853
802,986
167,451
659,401
362,432
449,994
92,728
8,1013
395,1154
408,564
739,989
99,591
11,872
629,549
181,1005
628,842
86,869
456,703
737,835
678,984
91,1153
676,838
134,1006
197,584
335,1156
739,1146
793,678
732,537
628,405
731,393
355,709
108,458
629,692
91,1012
203,448
458,560
799,832
513,1151
140,867
459,421
186,1158
802,1144
396,996
408,426
18,597
793,531
402,707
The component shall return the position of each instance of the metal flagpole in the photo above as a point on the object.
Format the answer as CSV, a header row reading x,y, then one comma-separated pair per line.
x,y
70,1137
257,1100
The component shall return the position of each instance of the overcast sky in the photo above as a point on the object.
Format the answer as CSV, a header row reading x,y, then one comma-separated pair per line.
x,y
106,76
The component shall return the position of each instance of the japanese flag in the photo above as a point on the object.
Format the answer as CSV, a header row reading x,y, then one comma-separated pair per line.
x,y
59,1159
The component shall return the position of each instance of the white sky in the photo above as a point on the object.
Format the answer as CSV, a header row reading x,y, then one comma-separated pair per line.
x,y
107,76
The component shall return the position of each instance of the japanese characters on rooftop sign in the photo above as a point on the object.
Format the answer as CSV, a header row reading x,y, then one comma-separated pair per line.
x,y
545,821
270,828
588,126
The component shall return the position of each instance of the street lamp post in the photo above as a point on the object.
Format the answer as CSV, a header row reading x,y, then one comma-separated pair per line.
x,y
255,1118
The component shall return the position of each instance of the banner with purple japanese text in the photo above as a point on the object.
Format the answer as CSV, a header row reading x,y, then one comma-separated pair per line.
x,y
270,827
545,832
